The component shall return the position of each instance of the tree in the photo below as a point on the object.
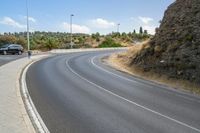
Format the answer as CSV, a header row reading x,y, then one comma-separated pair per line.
x,y
134,32
141,30
22,41
51,44
96,36
124,34
115,34
7,39
145,32
93,36
81,40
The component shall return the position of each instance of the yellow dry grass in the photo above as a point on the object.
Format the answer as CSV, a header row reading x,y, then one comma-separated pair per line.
x,y
121,62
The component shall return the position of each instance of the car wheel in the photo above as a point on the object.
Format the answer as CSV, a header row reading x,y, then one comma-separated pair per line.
x,y
19,52
4,53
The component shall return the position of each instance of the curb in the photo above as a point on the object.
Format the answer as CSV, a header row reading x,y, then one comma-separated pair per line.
x,y
36,119
24,113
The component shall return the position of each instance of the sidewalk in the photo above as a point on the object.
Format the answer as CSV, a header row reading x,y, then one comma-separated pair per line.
x,y
13,116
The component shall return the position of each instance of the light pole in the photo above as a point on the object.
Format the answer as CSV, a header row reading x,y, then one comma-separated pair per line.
x,y
118,27
71,43
27,19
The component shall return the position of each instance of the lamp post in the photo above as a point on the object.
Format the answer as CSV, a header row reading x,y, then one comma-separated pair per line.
x,y
71,43
28,38
118,27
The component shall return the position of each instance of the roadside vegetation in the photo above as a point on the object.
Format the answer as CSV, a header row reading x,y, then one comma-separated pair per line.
x,y
123,62
109,42
45,41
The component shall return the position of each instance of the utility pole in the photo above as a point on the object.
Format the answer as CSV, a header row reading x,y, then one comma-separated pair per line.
x,y
71,43
28,38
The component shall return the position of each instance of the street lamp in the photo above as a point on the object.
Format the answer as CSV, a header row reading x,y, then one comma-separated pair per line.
x,y
118,27
71,43
27,20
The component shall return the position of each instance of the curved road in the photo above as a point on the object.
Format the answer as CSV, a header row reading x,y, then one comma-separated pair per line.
x,y
77,93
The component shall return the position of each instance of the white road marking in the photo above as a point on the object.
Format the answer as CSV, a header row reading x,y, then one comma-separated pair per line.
x,y
136,104
92,62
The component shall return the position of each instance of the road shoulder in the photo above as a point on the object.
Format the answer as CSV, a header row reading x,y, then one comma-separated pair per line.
x,y
117,62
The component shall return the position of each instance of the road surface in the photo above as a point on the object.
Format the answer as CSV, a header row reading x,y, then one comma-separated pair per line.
x,y
8,58
77,93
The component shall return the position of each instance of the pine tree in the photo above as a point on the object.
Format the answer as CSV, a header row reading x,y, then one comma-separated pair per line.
x,y
141,30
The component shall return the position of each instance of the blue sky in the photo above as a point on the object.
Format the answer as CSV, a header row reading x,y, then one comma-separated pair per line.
x,y
90,15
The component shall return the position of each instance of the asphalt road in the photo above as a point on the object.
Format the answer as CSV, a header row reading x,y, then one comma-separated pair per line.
x,y
8,58
77,93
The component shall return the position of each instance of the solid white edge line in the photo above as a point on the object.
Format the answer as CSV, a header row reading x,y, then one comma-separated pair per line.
x,y
136,104
92,62
31,109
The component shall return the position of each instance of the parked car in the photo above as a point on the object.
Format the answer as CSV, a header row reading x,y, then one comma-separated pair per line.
x,y
11,49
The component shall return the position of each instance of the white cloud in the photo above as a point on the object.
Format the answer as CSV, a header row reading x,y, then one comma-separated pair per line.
x,y
145,20
31,19
102,23
76,28
150,29
11,22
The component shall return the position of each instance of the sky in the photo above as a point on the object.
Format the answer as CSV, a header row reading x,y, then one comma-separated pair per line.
x,y
90,16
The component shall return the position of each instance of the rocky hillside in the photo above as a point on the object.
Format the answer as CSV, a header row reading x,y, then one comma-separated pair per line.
x,y
175,49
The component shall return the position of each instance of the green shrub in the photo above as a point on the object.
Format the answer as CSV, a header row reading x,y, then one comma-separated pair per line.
x,y
109,42
51,43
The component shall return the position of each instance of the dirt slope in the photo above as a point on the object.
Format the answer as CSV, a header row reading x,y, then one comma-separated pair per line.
x,y
175,49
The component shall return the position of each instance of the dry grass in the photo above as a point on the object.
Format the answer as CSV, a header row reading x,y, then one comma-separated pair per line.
x,y
121,62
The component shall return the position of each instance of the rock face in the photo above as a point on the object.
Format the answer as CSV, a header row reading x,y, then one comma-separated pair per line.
x,y
175,48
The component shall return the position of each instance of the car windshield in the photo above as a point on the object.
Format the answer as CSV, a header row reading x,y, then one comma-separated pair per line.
x,y
5,46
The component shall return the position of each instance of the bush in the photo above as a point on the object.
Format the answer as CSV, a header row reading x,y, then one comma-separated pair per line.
x,y
109,42
51,43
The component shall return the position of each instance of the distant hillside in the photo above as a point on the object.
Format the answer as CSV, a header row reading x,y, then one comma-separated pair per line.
x,y
58,40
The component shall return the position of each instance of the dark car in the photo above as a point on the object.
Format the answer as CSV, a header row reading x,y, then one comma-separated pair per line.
x,y
11,49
